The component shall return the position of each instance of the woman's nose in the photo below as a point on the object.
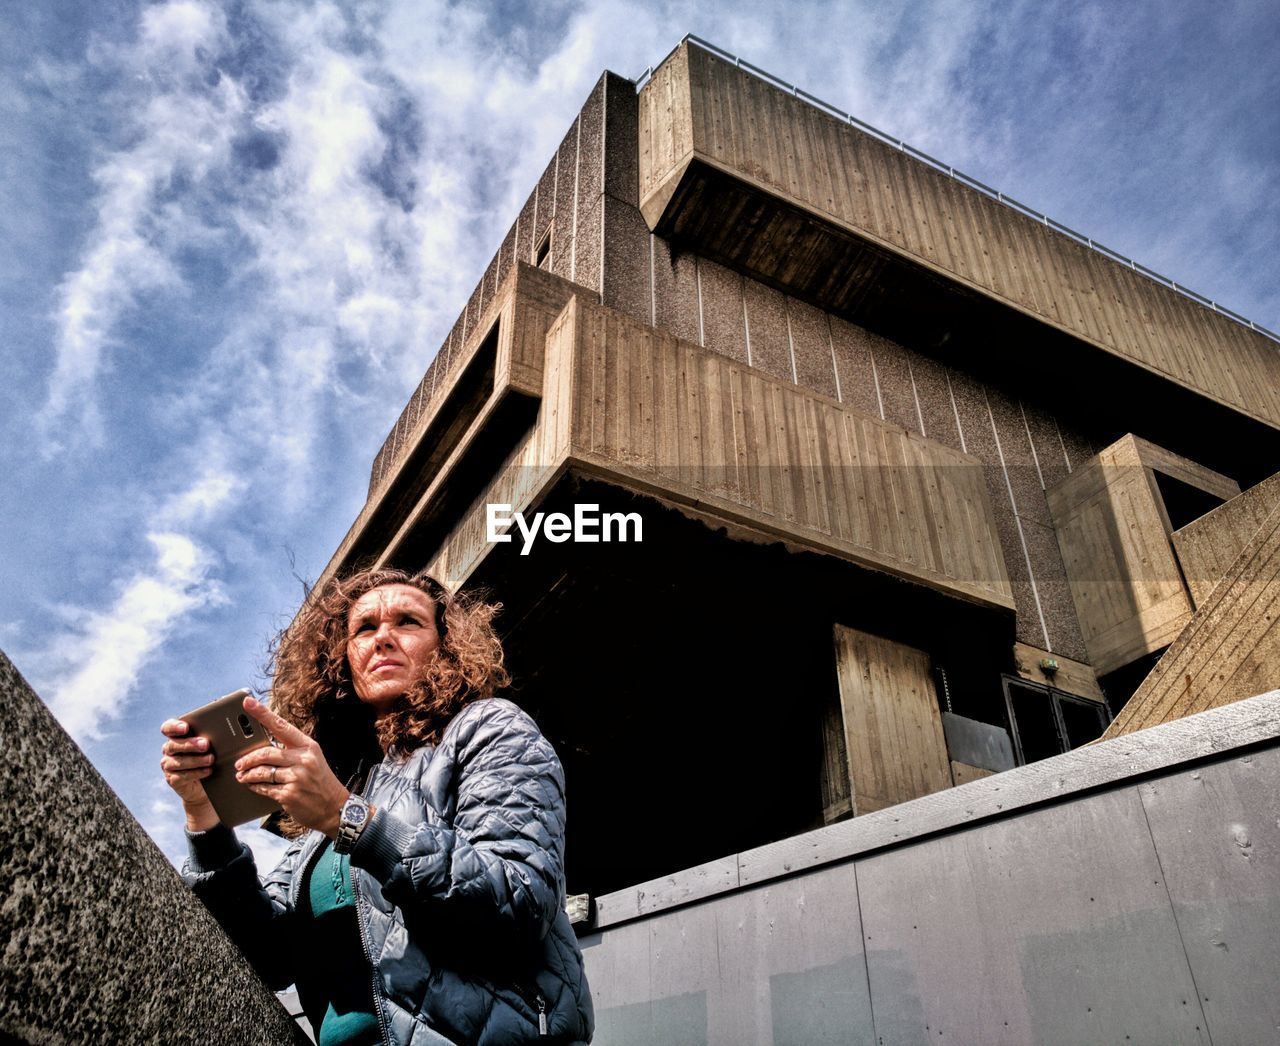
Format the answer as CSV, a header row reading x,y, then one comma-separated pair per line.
x,y
384,635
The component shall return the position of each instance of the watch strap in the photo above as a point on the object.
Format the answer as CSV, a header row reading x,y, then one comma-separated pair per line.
x,y
351,823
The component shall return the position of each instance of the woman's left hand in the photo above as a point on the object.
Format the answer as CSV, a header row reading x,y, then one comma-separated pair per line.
x,y
296,774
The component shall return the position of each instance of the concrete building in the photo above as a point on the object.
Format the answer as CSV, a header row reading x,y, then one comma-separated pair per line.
x,y
910,489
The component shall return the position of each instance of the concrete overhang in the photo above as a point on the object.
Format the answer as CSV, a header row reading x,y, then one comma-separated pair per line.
x,y
624,403
761,180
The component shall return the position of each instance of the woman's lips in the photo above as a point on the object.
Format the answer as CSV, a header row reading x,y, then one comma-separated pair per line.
x,y
379,665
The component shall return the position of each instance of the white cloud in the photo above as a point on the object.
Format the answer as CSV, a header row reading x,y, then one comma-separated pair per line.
x,y
163,821
267,848
181,29
210,493
99,660
178,124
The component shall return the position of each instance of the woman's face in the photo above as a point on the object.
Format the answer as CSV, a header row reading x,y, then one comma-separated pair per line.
x,y
391,635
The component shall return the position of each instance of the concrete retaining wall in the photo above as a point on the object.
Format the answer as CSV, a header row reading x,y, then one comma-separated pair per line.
x,y
1128,892
101,940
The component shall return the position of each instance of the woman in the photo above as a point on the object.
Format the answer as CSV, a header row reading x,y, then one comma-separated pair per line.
x,y
424,904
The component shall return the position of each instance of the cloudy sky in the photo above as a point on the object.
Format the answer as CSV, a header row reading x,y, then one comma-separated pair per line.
x,y
235,233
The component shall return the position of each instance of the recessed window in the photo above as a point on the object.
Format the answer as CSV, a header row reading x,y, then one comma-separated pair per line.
x,y
542,253
1048,722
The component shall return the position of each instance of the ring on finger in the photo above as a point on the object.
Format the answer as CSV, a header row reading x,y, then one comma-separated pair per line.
x,y
273,775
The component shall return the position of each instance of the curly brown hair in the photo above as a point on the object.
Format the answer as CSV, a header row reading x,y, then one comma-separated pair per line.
x,y
312,687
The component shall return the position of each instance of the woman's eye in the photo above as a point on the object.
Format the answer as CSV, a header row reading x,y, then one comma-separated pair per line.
x,y
408,620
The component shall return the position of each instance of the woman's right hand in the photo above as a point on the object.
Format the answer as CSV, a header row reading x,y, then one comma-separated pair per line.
x,y
186,761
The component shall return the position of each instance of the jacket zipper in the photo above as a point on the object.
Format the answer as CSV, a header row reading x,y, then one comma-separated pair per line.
x,y
364,936
539,1003
368,951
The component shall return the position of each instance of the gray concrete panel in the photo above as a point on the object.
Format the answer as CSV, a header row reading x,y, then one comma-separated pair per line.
x,y
821,1006
680,1020
643,982
1217,831
1053,927
782,962
1026,907
976,743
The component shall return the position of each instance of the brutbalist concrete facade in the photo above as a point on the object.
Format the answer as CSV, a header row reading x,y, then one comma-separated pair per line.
x,y
926,483
955,442
101,940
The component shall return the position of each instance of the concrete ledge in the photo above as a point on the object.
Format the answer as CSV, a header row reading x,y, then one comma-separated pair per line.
x,y
101,940
1245,724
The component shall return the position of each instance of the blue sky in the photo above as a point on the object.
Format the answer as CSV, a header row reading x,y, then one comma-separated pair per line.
x,y
234,235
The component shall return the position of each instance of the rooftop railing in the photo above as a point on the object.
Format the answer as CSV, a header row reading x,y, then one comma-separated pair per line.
x,y
962,178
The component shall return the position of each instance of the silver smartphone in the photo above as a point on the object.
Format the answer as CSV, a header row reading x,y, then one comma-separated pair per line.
x,y
231,732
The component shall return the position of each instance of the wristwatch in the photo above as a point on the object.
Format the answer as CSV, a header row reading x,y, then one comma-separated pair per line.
x,y
351,822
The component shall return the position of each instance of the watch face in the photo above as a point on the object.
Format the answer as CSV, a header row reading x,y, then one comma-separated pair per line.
x,y
354,814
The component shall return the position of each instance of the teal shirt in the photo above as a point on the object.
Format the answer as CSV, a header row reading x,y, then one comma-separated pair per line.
x,y
345,979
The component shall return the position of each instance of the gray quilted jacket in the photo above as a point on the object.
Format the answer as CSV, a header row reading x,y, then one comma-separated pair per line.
x,y
459,885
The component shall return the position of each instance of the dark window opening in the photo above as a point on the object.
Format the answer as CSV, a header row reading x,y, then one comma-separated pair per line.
x,y
1182,502
1047,722
1123,683
425,456
687,680
542,254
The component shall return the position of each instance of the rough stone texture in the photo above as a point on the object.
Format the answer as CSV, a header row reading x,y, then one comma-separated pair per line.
x,y
675,290
590,188
1020,466
979,436
622,140
1027,628
1065,637
546,203
1077,445
102,942
626,261
811,346
722,315
588,246
451,348
562,230
505,258
935,401
488,285
1047,443
852,347
766,313
895,384
524,227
